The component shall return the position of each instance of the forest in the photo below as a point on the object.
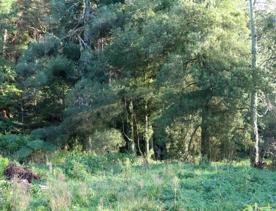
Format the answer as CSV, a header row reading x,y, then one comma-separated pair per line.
x,y
137,105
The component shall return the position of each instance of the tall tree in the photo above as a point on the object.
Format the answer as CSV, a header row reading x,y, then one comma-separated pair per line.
x,y
254,94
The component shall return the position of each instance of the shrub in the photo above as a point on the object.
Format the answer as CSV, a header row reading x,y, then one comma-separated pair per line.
x,y
22,147
106,141
75,169
77,163
4,162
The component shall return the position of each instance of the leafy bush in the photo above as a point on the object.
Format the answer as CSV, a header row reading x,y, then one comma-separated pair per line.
x,y
75,170
21,146
11,143
4,162
106,141
47,45
77,164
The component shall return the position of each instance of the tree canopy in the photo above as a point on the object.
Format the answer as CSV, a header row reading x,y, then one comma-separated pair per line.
x,y
161,78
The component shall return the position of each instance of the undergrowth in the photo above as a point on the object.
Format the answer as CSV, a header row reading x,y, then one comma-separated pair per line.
x,y
85,181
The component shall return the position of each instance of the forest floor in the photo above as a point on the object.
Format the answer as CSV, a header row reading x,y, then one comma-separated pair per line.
x,y
77,181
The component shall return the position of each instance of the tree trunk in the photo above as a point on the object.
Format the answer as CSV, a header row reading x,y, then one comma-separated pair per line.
x,y
88,143
85,40
192,138
133,126
204,134
254,94
22,112
5,43
147,135
87,12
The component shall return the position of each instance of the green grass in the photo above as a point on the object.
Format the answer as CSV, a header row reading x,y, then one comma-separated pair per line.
x,y
89,182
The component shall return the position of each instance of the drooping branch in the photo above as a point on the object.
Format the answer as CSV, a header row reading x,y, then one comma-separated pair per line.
x,y
87,13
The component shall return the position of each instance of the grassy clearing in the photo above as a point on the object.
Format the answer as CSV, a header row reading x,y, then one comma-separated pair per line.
x,y
75,181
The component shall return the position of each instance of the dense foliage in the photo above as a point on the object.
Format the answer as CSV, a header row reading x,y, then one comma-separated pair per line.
x,y
137,105
162,79
167,79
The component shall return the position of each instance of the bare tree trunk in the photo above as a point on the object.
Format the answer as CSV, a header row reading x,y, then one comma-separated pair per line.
x,y
87,12
147,135
132,122
254,94
22,112
85,40
204,133
5,43
192,138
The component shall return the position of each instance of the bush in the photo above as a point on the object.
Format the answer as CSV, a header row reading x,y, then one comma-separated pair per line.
x,y
106,141
22,147
77,164
11,143
4,162
76,170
